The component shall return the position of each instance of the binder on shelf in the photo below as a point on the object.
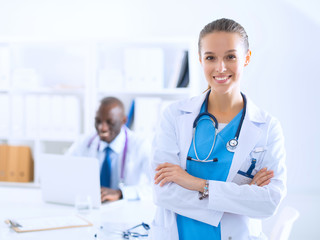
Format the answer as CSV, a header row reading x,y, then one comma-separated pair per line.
x,y
32,115
25,78
44,116
18,116
19,164
110,79
12,164
140,72
146,113
57,113
25,164
51,115
4,149
5,115
47,223
183,80
72,117
4,67
177,63
130,117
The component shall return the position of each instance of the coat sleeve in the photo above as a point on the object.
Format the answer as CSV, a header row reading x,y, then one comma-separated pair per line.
x,y
254,201
171,196
79,147
142,189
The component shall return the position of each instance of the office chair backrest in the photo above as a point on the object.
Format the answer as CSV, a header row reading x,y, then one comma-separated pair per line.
x,y
283,225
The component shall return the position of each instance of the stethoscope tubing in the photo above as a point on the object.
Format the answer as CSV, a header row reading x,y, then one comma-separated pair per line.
x,y
229,147
194,143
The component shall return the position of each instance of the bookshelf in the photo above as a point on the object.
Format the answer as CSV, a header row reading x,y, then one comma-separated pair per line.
x,y
50,89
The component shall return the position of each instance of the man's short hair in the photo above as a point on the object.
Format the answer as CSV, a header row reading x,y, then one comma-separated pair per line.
x,y
112,101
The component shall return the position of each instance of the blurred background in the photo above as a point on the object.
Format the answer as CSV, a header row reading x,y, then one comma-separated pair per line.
x,y
59,58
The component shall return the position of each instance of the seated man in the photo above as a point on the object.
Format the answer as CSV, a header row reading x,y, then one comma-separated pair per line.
x,y
123,156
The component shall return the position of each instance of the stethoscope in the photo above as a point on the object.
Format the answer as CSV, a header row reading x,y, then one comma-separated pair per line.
x,y
124,155
231,144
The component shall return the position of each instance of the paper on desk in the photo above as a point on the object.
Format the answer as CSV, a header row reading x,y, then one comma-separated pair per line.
x,y
50,223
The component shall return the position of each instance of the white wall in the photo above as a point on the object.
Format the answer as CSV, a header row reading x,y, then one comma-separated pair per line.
x,y
283,77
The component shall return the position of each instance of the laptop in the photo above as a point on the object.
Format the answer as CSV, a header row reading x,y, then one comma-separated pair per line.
x,y
64,178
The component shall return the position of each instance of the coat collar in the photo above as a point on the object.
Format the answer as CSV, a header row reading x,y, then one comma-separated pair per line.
x,y
193,105
117,145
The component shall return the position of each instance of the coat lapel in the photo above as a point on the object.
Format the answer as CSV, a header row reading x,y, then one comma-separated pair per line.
x,y
189,111
249,136
185,123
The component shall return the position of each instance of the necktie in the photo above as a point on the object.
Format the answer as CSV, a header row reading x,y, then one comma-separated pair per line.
x,y
105,175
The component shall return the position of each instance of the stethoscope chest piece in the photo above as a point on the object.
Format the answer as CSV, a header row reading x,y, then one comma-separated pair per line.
x,y
232,145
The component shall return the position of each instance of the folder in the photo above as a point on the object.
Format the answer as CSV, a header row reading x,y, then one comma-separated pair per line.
x,y
130,118
18,116
72,117
31,115
146,114
19,164
184,72
12,164
141,73
5,115
25,164
3,162
5,66
47,223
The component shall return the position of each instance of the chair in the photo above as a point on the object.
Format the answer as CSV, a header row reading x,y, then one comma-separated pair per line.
x,y
283,224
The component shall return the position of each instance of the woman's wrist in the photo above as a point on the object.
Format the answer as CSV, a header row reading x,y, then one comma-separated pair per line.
x,y
204,192
201,183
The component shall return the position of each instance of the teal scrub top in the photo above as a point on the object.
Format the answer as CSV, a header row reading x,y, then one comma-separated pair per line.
x,y
190,229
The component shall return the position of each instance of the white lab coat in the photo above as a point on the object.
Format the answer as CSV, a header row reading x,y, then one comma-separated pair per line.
x,y
236,205
137,177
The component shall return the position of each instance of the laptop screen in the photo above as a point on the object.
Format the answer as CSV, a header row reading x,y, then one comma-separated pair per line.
x,y
64,178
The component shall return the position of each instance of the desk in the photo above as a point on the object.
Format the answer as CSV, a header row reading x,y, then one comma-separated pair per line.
x,y
21,203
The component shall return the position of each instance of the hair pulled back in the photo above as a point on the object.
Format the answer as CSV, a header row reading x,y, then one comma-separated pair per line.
x,y
224,25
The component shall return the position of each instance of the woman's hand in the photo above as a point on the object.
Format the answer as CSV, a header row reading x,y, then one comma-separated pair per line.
x,y
168,172
262,177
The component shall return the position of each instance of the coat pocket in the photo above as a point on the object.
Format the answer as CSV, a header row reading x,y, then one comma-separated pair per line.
x,y
250,166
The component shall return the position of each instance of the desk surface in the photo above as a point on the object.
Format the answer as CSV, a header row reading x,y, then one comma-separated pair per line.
x,y
18,203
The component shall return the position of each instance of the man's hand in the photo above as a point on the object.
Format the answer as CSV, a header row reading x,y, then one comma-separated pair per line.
x,y
109,194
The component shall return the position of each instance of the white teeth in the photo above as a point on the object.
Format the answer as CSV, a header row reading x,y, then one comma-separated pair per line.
x,y
221,79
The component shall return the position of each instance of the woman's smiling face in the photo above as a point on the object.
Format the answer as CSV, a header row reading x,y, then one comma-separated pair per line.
x,y
223,57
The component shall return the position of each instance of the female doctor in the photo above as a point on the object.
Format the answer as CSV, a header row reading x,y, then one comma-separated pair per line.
x,y
218,158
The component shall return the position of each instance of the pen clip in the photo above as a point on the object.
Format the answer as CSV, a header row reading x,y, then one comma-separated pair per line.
x,y
259,149
12,223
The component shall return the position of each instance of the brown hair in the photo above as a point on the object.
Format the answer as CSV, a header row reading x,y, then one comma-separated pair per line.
x,y
224,25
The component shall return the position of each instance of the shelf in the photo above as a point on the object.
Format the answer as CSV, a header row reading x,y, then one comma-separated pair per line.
x,y
4,90
20,184
44,139
58,139
67,91
160,92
